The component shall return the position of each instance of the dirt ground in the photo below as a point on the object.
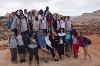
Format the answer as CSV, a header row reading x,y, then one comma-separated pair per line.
x,y
94,50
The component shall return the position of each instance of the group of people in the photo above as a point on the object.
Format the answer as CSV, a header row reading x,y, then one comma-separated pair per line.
x,y
53,35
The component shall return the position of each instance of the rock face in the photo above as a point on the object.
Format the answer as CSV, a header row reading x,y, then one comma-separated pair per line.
x,y
88,22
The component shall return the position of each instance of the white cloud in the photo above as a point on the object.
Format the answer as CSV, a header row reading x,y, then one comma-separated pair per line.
x,y
65,7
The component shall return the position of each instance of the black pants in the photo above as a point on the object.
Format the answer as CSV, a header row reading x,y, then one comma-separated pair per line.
x,y
51,50
13,54
61,49
25,38
33,52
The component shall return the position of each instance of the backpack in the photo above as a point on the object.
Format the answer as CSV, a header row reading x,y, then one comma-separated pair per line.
x,y
9,22
87,40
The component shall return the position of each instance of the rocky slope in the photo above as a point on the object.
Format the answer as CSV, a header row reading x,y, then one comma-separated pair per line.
x,y
88,22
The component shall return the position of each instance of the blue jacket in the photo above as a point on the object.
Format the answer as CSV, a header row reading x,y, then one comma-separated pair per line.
x,y
41,40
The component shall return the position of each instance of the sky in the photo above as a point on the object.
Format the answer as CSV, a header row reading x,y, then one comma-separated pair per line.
x,y
63,7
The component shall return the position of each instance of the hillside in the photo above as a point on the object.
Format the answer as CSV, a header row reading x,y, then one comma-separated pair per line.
x,y
88,22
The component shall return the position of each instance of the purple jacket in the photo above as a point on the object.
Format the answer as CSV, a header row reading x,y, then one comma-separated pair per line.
x,y
82,41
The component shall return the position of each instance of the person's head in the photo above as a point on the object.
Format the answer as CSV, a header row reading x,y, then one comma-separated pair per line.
x,y
48,33
68,18
64,17
75,33
33,13
21,11
12,33
13,14
22,16
61,18
29,13
36,18
47,8
80,33
25,11
50,15
41,12
53,33
33,35
67,32
61,30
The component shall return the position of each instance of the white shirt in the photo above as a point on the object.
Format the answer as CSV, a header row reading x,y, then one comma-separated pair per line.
x,y
61,34
14,22
33,45
26,15
43,24
24,25
12,42
74,40
58,24
19,40
68,25
62,24
48,41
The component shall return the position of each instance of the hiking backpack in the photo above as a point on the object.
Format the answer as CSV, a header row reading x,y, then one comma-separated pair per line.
x,y
88,41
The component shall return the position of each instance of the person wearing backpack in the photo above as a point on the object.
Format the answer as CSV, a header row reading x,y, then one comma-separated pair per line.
x,y
84,43
13,22
23,27
13,47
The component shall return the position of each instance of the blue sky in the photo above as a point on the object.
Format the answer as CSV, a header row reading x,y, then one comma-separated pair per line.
x,y
64,7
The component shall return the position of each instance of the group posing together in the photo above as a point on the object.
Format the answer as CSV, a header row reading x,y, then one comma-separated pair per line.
x,y
31,31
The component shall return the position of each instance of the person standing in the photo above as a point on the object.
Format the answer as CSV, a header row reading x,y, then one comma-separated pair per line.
x,y
75,45
46,12
13,47
43,24
68,44
33,50
68,24
62,23
50,19
21,47
61,43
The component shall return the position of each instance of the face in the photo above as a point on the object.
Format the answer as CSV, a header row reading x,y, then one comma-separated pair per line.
x,y
79,33
48,34
47,8
21,16
13,14
33,13
25,11
61,30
